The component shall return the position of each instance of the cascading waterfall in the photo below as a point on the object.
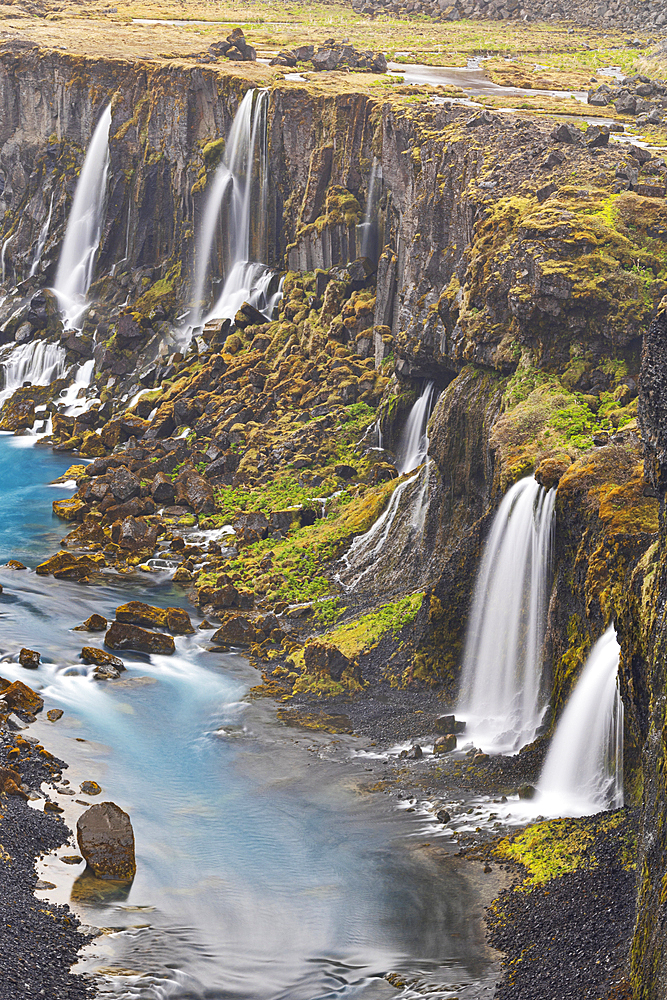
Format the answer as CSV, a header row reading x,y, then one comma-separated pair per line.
x,y
583,771
38,362
501,698
413,443
84,229
236,210
2,256
369,234
41,242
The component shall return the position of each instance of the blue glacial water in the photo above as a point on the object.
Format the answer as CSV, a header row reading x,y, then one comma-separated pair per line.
x,y
263,870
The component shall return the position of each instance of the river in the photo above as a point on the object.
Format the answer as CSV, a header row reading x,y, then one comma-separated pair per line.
x,y
263,869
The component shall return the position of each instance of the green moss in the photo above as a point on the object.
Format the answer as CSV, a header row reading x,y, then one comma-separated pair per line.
x,y
552,849
359,636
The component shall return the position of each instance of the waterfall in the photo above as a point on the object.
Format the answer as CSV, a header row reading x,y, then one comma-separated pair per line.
x,y
236,210
368,227
583,771
41,242
84,228
2,255
500,695
38,362
413,443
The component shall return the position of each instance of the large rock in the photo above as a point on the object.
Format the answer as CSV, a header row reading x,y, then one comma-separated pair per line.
x,y
91,654
106,840
163,490
193,490
238,630
321,658
134,534
137,613
29,659
124,484
20,698
251,528
122,636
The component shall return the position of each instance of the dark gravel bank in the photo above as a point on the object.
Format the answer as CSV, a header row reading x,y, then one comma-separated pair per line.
x,y
40,941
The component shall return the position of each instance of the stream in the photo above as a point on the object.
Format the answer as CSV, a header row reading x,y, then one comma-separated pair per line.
x,y
263,870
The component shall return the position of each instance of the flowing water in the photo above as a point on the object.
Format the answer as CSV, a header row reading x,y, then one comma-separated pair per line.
x,y
413,443
233,238
583,771
263,871
369,227
41,242
38,362
501,697
84,228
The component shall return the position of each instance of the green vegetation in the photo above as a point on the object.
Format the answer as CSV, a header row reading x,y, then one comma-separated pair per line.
x,y
358,636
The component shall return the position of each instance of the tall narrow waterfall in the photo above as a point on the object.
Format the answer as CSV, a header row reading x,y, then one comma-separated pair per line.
x,y
583,772
500,695
413,443
369,227
84,228
41,242
235,213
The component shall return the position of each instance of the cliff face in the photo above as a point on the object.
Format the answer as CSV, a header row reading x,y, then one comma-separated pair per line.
x,y
510,270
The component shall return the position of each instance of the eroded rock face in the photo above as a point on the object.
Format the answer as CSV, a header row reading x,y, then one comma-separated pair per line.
x,y
106,840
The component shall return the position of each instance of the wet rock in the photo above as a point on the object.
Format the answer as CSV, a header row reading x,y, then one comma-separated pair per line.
x,y
90,788
124,485
446,724
137,613
14,564
20,698
106,840
415,752
70,510
443,816
322,658
251,528
122,636
96,623
444,744
91,654
480,757
527,791
182,575
549,471
54,714
29,659
66,566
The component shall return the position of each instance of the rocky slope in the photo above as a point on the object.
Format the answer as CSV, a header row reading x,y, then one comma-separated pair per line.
x,y
520,267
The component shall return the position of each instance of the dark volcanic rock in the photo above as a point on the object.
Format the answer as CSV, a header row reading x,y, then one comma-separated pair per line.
x,y
124,484
321,658
121,636
29,658
106,840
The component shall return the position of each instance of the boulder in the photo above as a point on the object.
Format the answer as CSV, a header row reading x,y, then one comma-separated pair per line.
x,y
122,636
106,840
96,623
163,490
54,714
134,534
251,528
90,788
325,59
137,613
91,654
448,724
565,132
10,782
550,470
20,698
597,136
445,744
29,658
443,816
124,485
322,658
238,630
527,791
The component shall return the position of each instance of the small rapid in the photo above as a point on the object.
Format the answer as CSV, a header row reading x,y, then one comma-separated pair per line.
x,y
263,872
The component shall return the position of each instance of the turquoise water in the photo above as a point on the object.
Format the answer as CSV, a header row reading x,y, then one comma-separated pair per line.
x,y
263,871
